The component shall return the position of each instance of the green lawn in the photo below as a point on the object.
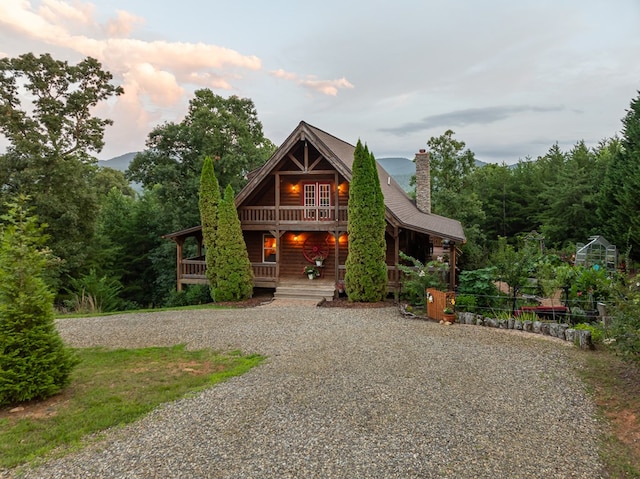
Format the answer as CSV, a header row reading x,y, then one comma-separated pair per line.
x,y
111,388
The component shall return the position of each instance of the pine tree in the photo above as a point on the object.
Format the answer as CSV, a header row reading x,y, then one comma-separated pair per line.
x,y
619,202
34,363
234,276
209,201
366,270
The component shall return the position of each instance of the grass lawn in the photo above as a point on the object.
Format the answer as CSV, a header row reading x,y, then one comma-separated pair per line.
x,y
615,387
110,388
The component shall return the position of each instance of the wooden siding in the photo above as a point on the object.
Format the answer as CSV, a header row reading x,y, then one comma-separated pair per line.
x,y
293,260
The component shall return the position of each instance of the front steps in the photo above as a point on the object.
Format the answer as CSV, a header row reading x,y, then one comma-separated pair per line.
x,y
307,290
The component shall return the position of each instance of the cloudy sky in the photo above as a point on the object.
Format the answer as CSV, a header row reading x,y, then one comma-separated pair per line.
x,y
509,78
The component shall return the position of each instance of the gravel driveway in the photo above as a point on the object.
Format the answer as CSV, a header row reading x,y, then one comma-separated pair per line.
x,y
349,393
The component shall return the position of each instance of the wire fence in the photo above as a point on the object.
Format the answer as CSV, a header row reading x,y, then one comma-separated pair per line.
x,y
575,310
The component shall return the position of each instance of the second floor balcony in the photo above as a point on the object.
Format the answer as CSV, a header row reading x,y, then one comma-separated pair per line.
x,y
270,215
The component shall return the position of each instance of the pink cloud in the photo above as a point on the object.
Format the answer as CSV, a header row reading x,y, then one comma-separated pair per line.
x,y
157,76
123,24
326,87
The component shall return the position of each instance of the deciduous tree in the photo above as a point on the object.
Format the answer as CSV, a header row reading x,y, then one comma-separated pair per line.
x,y
50,144
227,129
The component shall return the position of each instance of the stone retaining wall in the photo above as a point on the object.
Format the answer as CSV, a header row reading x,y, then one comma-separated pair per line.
x,y
579,337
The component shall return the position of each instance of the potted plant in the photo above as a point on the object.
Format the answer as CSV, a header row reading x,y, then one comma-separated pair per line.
x,y
340,286
319,259
449,314
311,272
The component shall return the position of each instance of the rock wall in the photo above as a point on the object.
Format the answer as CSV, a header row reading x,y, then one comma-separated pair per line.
x,y
579,337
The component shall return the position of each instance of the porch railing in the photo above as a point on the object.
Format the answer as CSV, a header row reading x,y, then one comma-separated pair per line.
x,y
290,214
393,276
196,269
264,271
193,268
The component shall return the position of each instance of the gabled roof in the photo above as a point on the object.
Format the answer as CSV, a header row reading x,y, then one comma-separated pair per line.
x,y
340,154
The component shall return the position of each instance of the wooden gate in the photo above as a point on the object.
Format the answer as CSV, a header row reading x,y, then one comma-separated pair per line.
x,y
437,301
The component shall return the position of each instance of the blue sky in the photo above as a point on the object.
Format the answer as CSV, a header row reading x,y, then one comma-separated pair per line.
x,y
510,78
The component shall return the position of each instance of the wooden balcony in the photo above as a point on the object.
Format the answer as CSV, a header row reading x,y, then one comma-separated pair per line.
x,y
269,215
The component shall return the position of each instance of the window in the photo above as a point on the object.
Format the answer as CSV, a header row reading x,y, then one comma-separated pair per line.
x,y
317,201
268,249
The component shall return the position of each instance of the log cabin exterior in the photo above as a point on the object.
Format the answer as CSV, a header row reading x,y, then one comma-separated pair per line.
x,y
294,208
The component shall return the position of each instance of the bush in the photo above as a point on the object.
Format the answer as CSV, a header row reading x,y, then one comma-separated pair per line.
x,y
191,295
466,302
419,277
34,362
480,284
94,294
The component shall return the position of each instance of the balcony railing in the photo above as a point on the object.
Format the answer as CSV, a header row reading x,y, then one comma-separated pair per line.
x,y
290,214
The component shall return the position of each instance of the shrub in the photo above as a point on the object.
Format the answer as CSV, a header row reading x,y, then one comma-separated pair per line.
x,y
419,277
480,284
94,294
466,302
191,295
34,363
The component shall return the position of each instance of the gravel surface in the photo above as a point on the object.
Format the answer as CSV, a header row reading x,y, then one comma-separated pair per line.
x,y
348,393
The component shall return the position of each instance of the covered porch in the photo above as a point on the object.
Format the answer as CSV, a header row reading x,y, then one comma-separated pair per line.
x,y
280,256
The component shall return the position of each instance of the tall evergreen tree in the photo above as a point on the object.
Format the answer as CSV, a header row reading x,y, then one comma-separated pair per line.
x,y
209,201
619,201
366,270
34,363
571,198
234,275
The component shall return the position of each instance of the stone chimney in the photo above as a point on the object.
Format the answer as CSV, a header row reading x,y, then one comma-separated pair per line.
x,y
423,181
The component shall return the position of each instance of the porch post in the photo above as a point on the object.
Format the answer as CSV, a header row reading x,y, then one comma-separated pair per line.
x,y
179,243
452,268
396,261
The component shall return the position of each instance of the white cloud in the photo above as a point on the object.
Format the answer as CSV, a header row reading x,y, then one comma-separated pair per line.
x,y
59,11
123,24
326,87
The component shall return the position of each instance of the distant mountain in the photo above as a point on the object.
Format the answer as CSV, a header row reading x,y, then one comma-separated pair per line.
x,y
120,163
402,169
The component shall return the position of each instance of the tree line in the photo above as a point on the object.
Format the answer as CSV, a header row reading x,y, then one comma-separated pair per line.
x,y
108,239
564,196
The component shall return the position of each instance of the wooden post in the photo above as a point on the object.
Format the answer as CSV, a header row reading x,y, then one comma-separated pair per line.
x,y
179,243
452,267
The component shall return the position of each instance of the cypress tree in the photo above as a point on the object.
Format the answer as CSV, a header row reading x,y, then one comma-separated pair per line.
x,y
366,270
233,268
208,202
34,363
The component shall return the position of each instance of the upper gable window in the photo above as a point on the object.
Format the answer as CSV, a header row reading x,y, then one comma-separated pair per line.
x,y
317,201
